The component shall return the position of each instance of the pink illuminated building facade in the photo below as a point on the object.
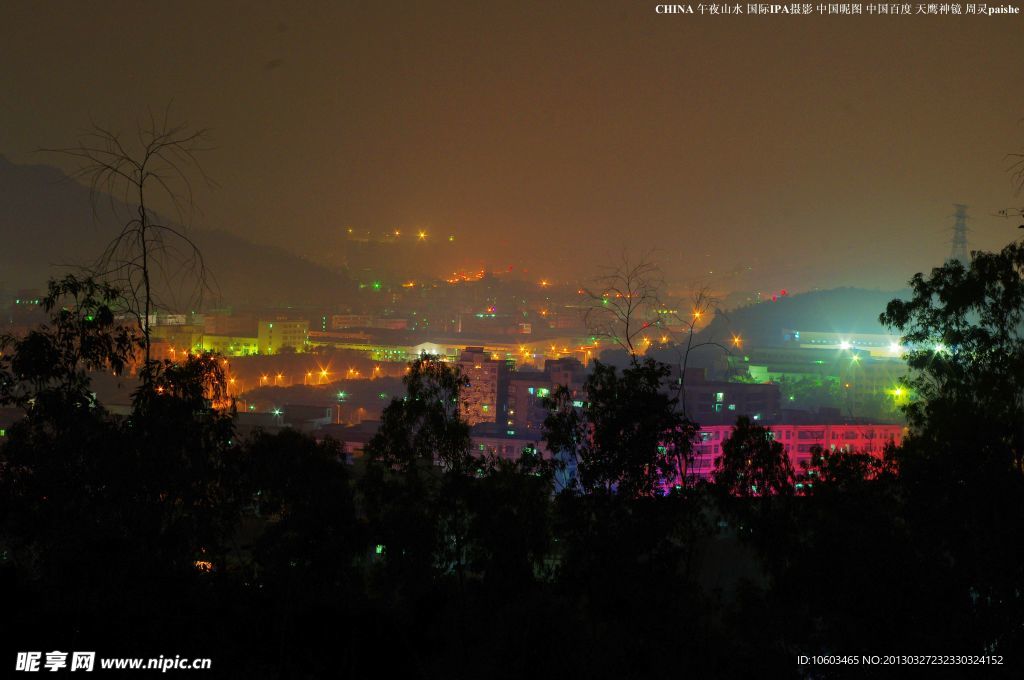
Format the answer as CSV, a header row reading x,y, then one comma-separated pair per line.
x,y
798,441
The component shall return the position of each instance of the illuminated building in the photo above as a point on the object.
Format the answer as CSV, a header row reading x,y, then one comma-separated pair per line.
x,y
231,345
229,324
797,440
528,388
714,402
182,338
882,345
272,336
339,321
485,398
854,380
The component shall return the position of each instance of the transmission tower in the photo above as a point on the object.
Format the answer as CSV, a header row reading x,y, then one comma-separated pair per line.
x,y
959,250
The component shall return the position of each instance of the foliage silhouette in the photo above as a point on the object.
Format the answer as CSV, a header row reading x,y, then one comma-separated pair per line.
x,y
628,438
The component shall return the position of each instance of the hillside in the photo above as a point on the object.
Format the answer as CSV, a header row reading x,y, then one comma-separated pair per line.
x,y
851,310
47,226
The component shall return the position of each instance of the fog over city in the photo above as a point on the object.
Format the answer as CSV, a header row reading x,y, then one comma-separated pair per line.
x,y
751,152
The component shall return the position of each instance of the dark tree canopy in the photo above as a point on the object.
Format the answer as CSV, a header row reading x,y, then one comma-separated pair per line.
x,y
629,437
51,363
753,463
965,330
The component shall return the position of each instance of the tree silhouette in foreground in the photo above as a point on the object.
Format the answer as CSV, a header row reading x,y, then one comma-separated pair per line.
x,y
753,464
148,254
960,470
629,436
104,516
965,330
47,370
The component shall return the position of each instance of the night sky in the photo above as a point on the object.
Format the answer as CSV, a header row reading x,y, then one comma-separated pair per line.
x,y
817,151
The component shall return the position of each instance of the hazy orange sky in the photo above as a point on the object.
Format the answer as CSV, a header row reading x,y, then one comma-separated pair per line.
x,y
814,150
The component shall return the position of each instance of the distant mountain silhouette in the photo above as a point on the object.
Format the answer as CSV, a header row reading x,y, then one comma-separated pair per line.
x,y
851,310
47,227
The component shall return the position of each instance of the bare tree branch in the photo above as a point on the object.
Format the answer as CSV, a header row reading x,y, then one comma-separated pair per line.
x,y
147,255
625,303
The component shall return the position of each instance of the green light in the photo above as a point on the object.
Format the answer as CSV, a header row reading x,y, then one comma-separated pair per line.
x,y
376,285
380,549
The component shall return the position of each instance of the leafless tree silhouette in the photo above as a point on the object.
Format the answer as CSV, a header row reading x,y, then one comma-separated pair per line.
x,y
624,303
148,256
1017,171
703,305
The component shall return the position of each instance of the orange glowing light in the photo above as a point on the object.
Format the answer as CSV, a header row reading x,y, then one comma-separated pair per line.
x,y
463,276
